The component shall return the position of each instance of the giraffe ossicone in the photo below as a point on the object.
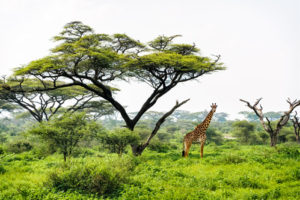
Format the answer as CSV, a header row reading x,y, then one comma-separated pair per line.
x,y
198,134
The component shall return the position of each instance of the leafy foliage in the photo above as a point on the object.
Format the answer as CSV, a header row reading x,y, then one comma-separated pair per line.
x,y
66,131
91,177
212,135
117,140
244,131
19,146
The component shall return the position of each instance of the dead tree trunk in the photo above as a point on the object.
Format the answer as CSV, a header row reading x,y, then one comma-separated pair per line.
x,y
296,125
138,149
273,132
273,138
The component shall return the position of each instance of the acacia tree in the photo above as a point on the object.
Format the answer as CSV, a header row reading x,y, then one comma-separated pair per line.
x,y
296,125
95,61
273,132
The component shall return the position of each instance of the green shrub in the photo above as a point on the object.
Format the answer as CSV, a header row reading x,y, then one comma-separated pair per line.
x,y
19,146
159,146
43,149
264,136
296,174
83,152
213,136
92,178
2,169
288,151
66,131
117,140
230,144
245,133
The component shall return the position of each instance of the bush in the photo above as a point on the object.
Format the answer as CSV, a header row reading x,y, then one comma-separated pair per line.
x,y
245,133
117,140
286,135
2,169
19,146
83,152
214,136
264,137
94,178
159,146
43,149
66,131
289,151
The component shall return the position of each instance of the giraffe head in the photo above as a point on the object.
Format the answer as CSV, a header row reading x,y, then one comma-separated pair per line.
x,y
213,107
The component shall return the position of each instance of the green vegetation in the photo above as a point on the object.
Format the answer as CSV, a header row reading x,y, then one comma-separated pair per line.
x,y
100,164
117,140
229,171
66,131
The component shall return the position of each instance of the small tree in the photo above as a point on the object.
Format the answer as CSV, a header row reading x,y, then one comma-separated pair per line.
x,y
214,136
118,139
244,131
273,131
65,131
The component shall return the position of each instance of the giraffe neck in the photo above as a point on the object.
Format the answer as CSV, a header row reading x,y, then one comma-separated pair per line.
x,y
207,120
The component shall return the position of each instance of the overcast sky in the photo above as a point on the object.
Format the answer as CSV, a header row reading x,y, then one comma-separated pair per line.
x,y
257,39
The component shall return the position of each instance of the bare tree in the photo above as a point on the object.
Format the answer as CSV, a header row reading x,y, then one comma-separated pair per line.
x,y
296,125
273,131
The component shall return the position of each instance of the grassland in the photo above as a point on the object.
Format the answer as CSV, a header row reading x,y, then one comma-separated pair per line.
x,y
229,171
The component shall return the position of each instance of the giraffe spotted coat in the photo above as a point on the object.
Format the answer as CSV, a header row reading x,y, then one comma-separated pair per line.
x,y
198,134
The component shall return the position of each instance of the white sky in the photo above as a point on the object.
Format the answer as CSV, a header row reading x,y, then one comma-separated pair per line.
x,y
257,39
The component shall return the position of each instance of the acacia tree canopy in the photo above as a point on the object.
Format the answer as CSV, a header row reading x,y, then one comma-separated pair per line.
x,y
43,105
94,61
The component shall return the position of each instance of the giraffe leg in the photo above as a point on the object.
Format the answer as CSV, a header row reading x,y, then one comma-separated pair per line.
x,y
202,146
187,146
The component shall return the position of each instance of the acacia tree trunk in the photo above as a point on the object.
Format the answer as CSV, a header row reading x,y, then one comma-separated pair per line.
x,y
137,150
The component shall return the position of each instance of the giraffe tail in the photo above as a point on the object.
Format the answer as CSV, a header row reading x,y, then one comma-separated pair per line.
x,y
183,152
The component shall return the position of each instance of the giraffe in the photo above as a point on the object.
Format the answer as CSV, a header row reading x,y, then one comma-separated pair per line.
x,y
198,134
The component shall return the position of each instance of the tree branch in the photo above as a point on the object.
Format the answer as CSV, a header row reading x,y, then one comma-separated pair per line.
x,y
161,121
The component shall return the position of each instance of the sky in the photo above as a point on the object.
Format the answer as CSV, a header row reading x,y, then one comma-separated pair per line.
x,y
258,41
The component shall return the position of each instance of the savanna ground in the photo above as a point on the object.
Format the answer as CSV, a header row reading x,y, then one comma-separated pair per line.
x,y
229,171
